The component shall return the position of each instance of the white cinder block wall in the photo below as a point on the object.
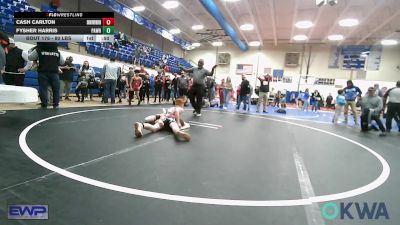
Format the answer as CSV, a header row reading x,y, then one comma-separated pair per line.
x,y
273,57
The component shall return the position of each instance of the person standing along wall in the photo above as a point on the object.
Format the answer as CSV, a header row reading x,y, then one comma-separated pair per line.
x,y
49,59
183,85
306,98
145,90
111,72
227,92
244,93
167,88
152,85
393,105
221,91
316,97
66,77
88,72
158,87
4,42
340,103
263,93
351,94
16,64
175,87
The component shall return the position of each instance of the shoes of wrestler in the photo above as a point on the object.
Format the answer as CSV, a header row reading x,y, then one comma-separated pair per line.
x,y
183,135
185,126
138,129
164,111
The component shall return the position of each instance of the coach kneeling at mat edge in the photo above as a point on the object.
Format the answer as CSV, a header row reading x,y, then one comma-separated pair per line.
x,y
198,74
49,59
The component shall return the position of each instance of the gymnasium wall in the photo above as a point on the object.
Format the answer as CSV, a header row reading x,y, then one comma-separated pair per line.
x,y
121,24
273,57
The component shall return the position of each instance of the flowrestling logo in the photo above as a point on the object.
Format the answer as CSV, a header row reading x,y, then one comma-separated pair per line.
x,y
355,210
28,212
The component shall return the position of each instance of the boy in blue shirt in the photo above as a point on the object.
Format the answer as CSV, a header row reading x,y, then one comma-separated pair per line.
x,y
340,103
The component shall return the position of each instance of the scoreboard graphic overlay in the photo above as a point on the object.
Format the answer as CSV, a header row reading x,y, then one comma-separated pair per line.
x,y
64,26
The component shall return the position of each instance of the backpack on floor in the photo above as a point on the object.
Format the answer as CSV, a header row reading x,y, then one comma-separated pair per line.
x,y
282,111
214,103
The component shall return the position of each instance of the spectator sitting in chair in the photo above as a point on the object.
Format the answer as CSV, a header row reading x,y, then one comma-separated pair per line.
x,y
329,101
81,87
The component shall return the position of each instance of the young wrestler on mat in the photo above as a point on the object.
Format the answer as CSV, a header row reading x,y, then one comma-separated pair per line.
x,y
167,120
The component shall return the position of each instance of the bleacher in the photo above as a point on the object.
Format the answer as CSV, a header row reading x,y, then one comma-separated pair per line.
x,y
124,54
31,78
7,9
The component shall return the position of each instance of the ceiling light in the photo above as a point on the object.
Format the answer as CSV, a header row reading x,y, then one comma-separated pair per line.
x,y
254,43
138,8
197,27
304,24
389,42
348,22
335,37
175,31
217,43
247,26
170,4
300,37
196,44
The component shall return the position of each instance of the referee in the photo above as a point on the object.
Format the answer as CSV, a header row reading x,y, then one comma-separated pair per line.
x,y
393,105
196,93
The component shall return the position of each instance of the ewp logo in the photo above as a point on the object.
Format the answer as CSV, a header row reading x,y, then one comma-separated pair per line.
x,y
28,212
375,211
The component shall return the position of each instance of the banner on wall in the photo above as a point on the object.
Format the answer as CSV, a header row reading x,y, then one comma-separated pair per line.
x,y
128,13
246,69
374,58
307,80
267,70
277,73
356,57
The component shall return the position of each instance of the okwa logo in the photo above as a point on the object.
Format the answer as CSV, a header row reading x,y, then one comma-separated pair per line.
x,y
355,210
